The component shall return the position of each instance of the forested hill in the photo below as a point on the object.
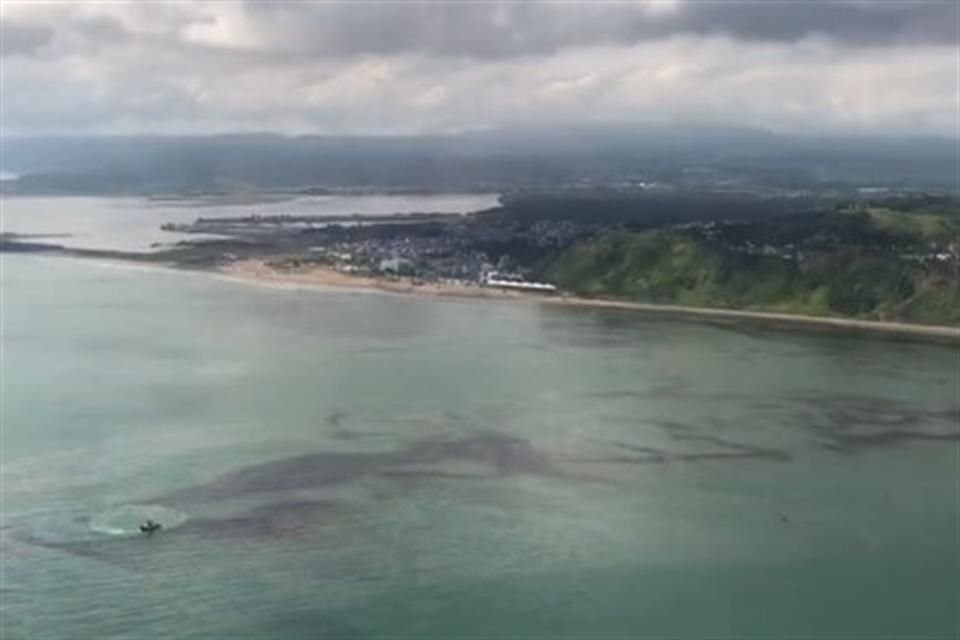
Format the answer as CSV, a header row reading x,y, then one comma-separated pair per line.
x,y
868,262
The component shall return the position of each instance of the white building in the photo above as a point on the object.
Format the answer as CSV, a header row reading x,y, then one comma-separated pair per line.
x,y
508,281
395,265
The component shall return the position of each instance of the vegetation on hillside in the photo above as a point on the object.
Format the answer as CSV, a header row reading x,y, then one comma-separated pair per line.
x,y
873,263
914,227
642,209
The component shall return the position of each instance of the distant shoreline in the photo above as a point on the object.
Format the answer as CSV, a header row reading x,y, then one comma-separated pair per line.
x,y
259,272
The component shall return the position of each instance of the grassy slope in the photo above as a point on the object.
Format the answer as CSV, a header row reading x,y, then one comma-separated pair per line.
x,y
919,226
667,267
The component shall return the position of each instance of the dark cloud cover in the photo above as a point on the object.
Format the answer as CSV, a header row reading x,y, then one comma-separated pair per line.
x,y
519,28
19,40
430,66
503,29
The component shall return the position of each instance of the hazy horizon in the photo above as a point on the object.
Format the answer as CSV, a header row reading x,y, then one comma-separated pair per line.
x,y
638,127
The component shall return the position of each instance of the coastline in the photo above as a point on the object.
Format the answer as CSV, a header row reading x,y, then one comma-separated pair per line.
x,y
259,272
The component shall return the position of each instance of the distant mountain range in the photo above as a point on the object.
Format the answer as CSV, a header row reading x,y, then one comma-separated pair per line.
x,y
500,159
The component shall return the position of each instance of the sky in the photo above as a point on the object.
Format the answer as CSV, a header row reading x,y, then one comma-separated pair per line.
x,y
809,66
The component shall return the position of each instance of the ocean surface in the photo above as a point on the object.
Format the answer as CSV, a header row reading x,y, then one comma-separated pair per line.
x,y
351,464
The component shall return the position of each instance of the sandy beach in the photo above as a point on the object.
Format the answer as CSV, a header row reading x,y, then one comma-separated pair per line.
x,y
259,272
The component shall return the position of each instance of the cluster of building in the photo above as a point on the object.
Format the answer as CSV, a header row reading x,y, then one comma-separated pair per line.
x,y
724,233
447,257
414,255
949,253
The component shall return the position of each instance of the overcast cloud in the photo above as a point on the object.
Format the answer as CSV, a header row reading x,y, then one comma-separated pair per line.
x,y
806,66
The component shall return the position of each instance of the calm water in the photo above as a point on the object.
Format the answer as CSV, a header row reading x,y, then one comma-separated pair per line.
x,y
361,465
134,223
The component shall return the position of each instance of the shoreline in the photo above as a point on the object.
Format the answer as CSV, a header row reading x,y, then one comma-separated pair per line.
x,y
258,272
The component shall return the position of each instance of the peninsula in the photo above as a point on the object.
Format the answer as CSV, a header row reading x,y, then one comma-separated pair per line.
x,y
888,266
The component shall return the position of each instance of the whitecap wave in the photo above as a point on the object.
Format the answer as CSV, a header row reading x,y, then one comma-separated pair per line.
x,y
126,519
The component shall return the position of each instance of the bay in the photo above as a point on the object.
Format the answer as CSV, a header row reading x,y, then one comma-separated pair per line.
x,y
365,465
133,223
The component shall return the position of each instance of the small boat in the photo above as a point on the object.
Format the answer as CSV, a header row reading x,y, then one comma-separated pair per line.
x,y
150,526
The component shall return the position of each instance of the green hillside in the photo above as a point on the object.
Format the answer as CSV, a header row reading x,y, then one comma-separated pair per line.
x,y
673,267
927,227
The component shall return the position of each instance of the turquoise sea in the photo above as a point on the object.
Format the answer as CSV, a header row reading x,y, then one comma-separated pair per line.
x,y
349,464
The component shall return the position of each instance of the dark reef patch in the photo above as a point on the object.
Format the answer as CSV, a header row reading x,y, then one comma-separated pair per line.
x,y
506,454
651,451
673,426
730,449
308,471
852,443
849,424
842,423
672,389
293,519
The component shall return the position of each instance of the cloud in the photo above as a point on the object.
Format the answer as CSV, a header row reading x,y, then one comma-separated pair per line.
x,y
364,67
497,29
503,29
24,40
